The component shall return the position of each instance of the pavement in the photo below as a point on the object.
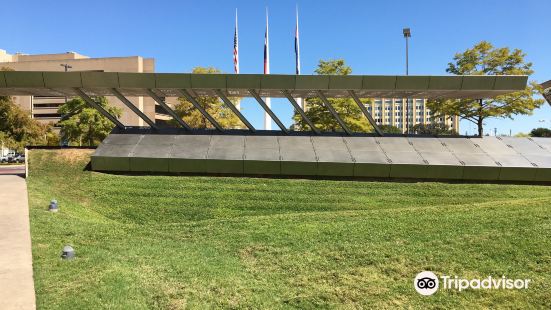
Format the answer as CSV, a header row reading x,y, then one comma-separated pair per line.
x,y
12,169
16,270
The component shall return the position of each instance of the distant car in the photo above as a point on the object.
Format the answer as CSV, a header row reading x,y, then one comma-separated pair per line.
x,y
4,159
15,158
20,159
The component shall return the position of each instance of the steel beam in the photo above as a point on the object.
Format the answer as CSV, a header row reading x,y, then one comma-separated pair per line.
x,y
198,106
268,110
365,112
100,109
287,94
333,112
134,109
162,103
230,105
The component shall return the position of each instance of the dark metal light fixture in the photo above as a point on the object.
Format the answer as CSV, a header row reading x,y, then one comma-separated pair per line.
x,y
68,252
53,206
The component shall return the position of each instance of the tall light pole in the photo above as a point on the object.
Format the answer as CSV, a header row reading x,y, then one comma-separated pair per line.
x,y
407,35
66,66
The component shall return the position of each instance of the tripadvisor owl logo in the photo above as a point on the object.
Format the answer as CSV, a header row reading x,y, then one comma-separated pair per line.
x,y
426,283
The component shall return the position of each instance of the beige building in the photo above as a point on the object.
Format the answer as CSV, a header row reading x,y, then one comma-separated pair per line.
x,y
392,112
44,109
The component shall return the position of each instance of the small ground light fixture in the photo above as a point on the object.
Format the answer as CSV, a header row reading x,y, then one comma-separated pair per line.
x,y
53,206
68,252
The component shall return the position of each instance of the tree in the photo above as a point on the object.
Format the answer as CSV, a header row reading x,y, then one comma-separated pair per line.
x,y
540,132
433,129
213,105
85,124
18,129
346,108
484,59
390,129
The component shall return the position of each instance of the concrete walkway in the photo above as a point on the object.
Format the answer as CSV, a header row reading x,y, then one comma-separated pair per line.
x,y
16,270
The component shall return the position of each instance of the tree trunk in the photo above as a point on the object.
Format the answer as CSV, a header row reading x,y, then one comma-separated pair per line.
x,y
480,127
480,122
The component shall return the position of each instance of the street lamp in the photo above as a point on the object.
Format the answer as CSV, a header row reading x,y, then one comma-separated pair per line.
x,y
407,35
66,66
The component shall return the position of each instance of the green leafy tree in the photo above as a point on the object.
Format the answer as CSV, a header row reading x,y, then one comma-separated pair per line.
x,y
213,105
85,125
347,109
540,132
522,135
434,129
390,129
18,129
484,59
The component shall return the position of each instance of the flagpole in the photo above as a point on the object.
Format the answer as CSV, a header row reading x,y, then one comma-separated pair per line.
x,y
236,56
297,57
267,118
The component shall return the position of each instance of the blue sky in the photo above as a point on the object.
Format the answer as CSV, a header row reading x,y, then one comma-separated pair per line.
x,y
367,34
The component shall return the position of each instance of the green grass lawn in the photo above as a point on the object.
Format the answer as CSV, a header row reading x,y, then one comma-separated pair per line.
x,y
224,242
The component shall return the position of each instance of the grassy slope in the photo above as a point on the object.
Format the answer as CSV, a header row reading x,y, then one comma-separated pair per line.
x,y
170,242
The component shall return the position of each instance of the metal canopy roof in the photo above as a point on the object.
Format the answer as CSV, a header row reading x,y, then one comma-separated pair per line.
x,y
40,83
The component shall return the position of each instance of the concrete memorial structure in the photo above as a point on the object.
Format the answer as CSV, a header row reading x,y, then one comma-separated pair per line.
x,y
314,153
547,91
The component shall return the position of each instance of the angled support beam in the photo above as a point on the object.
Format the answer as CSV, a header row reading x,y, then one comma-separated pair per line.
x,y
100,109
268,110
198,106
333,112
230,105
134,109
365,112
292,100
162,103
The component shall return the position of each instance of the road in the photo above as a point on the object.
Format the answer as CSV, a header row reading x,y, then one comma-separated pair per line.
x,y
12,169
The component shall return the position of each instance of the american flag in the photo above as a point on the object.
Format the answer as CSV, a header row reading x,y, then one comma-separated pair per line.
x,y
266,49
235,48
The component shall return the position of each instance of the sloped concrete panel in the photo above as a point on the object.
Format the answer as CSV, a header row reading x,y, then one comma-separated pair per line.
x,y
368,144
189,154
112,157
543,142
150,158
262,156
524,145
489,158
128,139
493,145
428,145
443,165
395,144
462,146
370,164
297,156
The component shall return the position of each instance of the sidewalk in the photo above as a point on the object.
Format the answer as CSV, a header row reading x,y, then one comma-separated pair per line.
x,y
16,271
